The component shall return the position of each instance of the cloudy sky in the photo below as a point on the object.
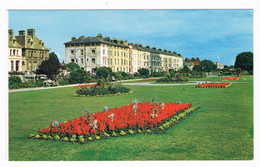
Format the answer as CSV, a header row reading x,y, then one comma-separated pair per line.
x,y
207,34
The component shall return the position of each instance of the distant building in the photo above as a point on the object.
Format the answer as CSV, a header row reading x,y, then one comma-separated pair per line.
x,y
219,66
15,53
92,52
193,60
33,50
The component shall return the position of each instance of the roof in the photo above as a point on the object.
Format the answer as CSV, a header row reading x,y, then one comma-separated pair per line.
x,y
36,43
94,40
12,43
87,40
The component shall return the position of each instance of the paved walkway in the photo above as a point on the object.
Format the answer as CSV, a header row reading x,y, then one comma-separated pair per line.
x,y
43,88
134,84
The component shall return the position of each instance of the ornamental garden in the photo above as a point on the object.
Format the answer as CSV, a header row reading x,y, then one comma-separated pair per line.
x,y
113,121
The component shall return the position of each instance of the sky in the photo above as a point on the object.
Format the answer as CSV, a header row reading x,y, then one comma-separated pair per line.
x,y
216,35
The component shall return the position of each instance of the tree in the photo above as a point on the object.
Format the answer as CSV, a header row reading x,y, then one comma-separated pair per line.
x,y
207,66
144,72
50,67
185,70
244,61
78,76
71,66
102,72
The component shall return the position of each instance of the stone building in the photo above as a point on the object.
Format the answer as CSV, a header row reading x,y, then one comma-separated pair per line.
x,y
33,50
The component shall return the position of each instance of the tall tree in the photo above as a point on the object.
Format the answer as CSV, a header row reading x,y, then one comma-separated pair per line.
x,y
244,61
207,65
50,67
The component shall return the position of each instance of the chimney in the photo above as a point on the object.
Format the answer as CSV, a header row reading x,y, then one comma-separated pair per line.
x,y
107,39
125,42
21,33
73,38
31,32
100,36
160,49
114,40
81,37
154,48
135,44
140,45
169,51
11,32
121,41
148,47
165,50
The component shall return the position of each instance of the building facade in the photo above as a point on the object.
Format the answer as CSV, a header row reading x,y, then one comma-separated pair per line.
x,y
15,53
93,52
33,50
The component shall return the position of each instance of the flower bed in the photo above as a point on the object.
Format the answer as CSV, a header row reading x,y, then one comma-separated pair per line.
x,y
231,78
153,79
237,76
213,85
111,89
86,86
133,119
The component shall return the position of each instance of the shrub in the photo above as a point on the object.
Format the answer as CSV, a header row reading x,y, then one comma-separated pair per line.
x,y
14,82
103,90
102,72
63,82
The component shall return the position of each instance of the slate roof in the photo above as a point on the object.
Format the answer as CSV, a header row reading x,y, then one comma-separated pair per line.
x,y
94,40
98,40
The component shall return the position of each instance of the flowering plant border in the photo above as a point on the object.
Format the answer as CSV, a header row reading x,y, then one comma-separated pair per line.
x,y
89,128
213,85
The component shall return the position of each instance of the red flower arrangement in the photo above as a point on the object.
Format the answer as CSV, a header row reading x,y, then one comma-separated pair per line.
x,y
153,79
146,115
86,86
231,78
213,85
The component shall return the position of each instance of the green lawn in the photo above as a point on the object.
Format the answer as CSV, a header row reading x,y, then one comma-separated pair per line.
x,y
220,130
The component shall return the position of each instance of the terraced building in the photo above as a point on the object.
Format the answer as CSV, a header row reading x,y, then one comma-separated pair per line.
x,y
92,52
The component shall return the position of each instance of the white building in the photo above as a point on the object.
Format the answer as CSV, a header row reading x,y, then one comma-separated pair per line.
x,y
219,66
15,53
88,53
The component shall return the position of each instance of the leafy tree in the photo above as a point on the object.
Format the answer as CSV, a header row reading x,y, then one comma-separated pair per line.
x,y
144,72
206,66
78,76
185,70
244,61
102,72
71,66
50,67
197,68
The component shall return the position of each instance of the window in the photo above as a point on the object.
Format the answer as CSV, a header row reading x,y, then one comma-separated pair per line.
x,y
72,51
93,51
14,52
12,65
72,60
81,61
34,65
93,60
81,52
17,66
104,51
10,52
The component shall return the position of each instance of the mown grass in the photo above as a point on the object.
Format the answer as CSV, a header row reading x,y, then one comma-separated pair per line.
x,y
220,130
